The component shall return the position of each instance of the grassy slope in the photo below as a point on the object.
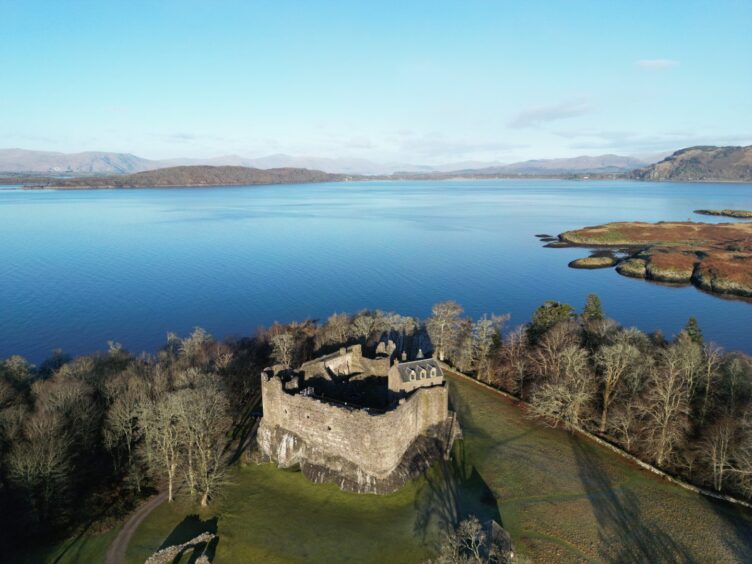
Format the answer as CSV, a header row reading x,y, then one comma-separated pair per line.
x,y
562,499
271,515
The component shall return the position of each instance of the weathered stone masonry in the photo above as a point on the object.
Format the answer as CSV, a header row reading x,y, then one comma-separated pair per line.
x,y
360,449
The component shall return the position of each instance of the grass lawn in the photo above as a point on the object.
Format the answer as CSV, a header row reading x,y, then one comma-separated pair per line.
x,y
562,499
271,515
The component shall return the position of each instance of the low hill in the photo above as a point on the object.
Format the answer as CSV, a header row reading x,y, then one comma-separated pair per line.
x,y
702,164
199,176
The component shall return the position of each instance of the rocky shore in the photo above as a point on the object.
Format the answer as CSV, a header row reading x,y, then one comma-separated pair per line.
x,y
714,257
737,214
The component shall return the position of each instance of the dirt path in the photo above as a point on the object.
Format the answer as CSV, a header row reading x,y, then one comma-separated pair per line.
x,y
116,552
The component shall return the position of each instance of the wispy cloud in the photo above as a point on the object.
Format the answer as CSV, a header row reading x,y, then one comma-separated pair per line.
x,y
533,117
656,64
631,141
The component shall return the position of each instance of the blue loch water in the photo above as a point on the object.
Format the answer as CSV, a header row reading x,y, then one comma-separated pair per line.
x,y
79,268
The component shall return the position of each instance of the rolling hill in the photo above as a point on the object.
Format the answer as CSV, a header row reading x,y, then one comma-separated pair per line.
x,y
199,176
702,164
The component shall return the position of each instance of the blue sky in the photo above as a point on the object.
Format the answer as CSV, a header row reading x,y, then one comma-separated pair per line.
x,y
405,81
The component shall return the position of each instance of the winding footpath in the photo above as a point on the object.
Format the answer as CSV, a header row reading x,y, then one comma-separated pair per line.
x,y
119,546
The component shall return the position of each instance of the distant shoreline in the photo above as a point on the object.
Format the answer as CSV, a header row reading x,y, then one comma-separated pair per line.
x,y
32,188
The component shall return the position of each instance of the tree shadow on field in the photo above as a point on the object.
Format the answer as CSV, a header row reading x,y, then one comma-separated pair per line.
x,y
738,529
188,529
453,490
625,535
243,435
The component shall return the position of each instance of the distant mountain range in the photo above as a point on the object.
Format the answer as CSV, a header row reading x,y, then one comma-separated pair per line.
x,y
45,162
733,164
702,164
20,161
602,164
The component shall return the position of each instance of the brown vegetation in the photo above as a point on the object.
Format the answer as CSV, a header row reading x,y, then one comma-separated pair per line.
x,y
714,257
197,176
702,164
738,214
593,262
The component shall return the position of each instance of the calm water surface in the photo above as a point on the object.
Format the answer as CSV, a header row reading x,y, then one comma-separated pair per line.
x,y
80,268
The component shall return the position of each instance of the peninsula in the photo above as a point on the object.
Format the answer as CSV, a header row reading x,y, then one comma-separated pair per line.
x,y
714,257
737,214
194,176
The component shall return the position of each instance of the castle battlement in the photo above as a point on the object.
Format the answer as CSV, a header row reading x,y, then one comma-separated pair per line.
x,y
362,448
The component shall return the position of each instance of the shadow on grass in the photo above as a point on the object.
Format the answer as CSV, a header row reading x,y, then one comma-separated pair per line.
x,y
453,490
189,528
73,541
245,429
739,522
625,534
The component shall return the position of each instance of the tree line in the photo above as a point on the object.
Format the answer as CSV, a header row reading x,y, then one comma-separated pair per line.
x,y
683,405
84,439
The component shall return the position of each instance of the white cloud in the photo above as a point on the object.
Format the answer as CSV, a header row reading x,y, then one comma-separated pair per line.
x,y
533,117
638,142
656,64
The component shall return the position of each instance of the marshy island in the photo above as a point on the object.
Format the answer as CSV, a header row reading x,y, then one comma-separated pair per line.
x,y
713,257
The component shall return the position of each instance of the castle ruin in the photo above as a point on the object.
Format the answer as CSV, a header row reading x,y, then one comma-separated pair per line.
x,y
366,424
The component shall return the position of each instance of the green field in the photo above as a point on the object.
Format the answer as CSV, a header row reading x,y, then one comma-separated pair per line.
x,y
272,515
562,498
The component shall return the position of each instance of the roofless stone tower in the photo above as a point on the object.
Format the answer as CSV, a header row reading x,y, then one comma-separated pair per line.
x,y
366,424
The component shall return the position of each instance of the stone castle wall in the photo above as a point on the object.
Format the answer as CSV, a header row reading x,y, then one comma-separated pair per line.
x,y
299,429
347,361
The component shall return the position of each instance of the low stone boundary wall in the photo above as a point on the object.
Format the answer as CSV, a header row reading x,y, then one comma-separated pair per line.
x,y
613,448
168,555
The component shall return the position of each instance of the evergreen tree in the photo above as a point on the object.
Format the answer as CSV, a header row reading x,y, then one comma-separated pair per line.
x,y
593,309
548,315
693,331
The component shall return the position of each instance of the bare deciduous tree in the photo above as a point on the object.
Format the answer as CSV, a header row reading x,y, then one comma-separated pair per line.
x,y
548,352
710,376
469,543
716,448
515,360
336,329
40,463
614,362
162,433
443,327
623,423
667,406
127,395
689,354
283,348
206,423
